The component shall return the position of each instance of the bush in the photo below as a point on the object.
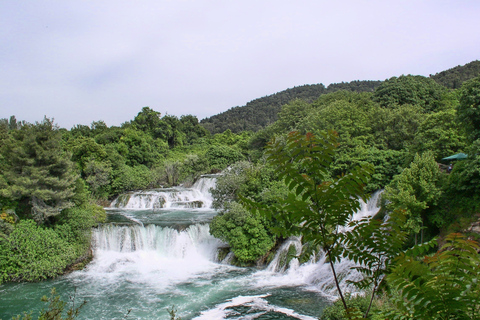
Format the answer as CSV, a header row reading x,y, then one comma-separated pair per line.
x,y
246,233
33,253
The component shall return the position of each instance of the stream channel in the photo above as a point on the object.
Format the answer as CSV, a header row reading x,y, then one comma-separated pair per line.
x,y
156,252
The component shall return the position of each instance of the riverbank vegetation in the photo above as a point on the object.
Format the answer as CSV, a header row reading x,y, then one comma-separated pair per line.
x,y
342,142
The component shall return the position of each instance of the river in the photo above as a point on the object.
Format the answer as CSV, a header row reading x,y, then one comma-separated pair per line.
x,y
156,253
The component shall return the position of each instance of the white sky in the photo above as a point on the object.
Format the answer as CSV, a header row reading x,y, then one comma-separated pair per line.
x,y
90,60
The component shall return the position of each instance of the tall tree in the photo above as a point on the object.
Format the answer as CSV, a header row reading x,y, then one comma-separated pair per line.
x,y
415,190
318,205
38,172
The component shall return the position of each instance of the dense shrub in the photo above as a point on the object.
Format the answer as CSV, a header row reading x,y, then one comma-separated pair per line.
x,y
33,253
246,233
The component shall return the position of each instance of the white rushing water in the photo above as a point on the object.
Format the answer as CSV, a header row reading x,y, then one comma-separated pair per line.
x,y
198,196
155,263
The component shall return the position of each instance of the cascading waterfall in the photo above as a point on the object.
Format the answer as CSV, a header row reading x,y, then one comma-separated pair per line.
x,y
150,261
169,198
315,274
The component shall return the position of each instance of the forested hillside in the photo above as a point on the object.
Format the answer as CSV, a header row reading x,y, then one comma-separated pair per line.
x,y
453,78
259,113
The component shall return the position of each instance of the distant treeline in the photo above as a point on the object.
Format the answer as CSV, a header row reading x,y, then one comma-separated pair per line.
x,y
259,113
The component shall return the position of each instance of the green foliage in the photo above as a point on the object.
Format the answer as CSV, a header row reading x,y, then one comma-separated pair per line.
x,y
85,149
220,156
259,113
374,244
38,170
149,121
439,133
468,110
349,113
413,90
465,177
291,115
336,311
453,78
229,183
246,233
33,253
315,200
317,205
97,176
442,286
396,128
257,182
131,178
386,164
139,148
77,223
415,190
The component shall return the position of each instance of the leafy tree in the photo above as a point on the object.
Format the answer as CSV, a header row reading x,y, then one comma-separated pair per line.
x,y
84,150
439,133
220,156
172,129
468,110
97,176
374,244
416,189
317,206
413,90
38,171
465,178
192,129
396,128
291,114
246,233
442,286
139,148
80,130
148,121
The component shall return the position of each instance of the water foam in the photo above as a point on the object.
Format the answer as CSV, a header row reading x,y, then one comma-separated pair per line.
x,y
198,196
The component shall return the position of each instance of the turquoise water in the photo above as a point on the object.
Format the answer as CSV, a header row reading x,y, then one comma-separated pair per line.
x,y
147,261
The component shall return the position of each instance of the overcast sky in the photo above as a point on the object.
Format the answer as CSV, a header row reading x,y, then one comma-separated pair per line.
x,y
84,61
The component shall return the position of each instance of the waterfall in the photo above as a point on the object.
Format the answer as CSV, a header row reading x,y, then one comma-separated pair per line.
x,y
151,255
167,242
316,273
169,198
283,258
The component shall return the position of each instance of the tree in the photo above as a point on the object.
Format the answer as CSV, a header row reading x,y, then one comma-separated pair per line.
x,y
148,121
413,90
246,233
318,206
192,129
468,110
415,190
220,156
38,172
439,133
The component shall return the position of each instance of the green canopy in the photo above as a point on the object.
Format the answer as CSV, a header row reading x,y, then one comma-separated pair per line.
x,y
458,156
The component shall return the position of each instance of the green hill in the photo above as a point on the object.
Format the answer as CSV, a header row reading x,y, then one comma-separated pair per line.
x,y
261,112
454,77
